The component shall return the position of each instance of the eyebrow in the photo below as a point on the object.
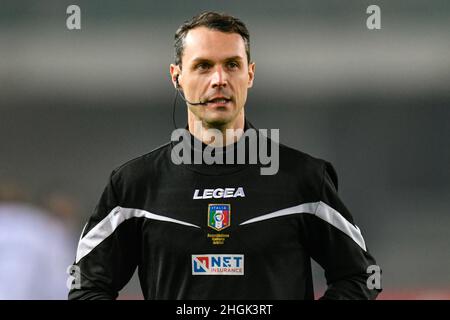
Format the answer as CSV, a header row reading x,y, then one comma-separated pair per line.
x,y
200,59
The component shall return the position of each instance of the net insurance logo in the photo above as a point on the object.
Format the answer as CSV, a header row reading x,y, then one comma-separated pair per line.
x,y
218,264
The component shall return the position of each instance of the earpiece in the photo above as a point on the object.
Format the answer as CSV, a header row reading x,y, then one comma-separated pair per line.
x,y
178,91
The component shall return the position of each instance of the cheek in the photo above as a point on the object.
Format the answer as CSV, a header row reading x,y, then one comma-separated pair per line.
x,y
197,84
242,88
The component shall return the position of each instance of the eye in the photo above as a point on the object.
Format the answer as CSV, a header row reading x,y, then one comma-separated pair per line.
x,y
233,65
203,66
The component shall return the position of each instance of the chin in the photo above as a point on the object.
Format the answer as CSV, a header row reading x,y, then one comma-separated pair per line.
x,y
218,120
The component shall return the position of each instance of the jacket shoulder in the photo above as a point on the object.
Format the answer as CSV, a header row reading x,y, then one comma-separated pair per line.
x,y
312,170
142,165
293,158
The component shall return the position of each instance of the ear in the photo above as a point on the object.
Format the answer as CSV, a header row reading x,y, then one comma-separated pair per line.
x,y
251,74
175,71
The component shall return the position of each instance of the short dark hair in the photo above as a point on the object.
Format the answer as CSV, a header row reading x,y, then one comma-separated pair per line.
x,y
215,21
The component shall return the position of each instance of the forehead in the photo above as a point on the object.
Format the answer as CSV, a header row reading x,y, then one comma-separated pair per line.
x,y
210,44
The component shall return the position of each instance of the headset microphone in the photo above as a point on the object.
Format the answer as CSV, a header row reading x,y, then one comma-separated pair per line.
x,y
182,97
178,87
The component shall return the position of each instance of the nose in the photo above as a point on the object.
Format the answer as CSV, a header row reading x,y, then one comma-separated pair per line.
x,y
219,78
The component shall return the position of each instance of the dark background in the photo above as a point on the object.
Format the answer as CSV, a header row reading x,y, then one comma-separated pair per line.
x,y
376,103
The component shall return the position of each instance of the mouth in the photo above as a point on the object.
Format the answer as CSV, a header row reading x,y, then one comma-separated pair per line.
x,y
219,101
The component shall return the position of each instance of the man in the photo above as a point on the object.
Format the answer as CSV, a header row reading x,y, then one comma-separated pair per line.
x,y
220,231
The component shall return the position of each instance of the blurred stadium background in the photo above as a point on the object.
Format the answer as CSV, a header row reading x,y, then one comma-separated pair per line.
x,y
76,104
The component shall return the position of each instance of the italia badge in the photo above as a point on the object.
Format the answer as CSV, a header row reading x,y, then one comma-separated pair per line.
x,y
219,216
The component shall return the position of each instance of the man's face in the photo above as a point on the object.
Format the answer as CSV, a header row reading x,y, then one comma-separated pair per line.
x,y
214,66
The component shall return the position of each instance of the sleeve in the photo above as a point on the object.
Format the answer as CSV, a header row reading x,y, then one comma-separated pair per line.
x,y
336,243
107,253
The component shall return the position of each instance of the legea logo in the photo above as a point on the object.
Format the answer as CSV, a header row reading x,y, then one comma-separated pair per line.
x,y
219,193
218,264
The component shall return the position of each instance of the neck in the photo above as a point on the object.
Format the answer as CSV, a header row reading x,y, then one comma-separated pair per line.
x,y
216,134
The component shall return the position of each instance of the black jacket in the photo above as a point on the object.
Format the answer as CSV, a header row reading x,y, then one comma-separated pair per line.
x,y
222,232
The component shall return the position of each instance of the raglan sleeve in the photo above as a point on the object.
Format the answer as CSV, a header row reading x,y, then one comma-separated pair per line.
x,y
107,253
336,243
